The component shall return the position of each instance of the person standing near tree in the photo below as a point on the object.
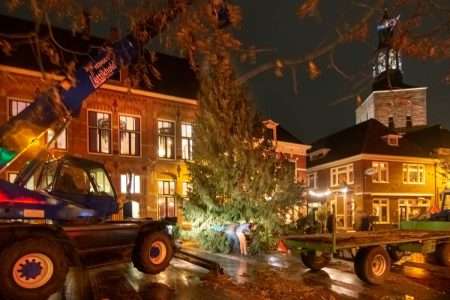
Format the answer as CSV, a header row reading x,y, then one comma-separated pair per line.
x,y
241,231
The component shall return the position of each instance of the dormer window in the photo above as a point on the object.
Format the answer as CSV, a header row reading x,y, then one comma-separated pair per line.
x,y
392,139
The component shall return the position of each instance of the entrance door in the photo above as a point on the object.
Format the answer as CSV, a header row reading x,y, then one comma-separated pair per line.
x,y
344,206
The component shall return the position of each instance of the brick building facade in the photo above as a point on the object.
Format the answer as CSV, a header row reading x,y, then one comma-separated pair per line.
x,y
291,148
142,136
369,168
397,108
136,126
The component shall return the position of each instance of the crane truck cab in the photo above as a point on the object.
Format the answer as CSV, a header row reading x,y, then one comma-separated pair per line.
x,y
65,221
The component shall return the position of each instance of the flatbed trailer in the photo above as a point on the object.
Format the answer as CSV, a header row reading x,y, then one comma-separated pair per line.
x,y
373,252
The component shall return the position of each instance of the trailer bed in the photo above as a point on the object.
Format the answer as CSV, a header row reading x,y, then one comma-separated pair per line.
x,y
348,240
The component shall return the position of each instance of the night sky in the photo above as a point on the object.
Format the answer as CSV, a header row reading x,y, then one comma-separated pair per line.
x,y
311,114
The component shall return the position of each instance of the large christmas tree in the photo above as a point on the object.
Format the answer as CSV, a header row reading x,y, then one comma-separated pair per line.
x,y
236,174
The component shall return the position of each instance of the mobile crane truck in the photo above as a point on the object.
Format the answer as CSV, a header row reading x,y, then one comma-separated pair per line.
x,y
64,221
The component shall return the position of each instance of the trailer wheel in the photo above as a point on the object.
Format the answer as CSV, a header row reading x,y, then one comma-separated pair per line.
x,y
315,260
443,254
34,268
372,264
154,253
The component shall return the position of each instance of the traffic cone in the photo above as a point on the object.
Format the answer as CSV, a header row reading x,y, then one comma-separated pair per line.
x,y
435,208
282,247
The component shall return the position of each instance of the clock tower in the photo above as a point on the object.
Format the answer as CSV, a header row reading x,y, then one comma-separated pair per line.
x,y
392,102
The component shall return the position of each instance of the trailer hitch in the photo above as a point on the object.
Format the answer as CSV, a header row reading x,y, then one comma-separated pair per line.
x,y
199,261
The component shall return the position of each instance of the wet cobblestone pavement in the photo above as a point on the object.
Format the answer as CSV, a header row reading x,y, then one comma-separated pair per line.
x,y
185,281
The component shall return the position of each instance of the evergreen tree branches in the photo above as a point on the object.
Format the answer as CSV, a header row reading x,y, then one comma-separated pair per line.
x,y
236,174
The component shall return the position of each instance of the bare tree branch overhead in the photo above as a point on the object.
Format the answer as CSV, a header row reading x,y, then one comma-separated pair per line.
x,y
201,37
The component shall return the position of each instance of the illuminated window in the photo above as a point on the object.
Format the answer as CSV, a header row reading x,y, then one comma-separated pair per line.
x,y
166,199
381,64
60,142
102,182
186,188
382,172
99,132
413,174
133,181
166,139
312,180
392,59
30,183
16,105
410,209
186,141
130,135
342,175
380,209
392,140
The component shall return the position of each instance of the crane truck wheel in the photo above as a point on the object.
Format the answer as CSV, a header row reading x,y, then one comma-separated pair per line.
x,y
372,264
315,260
443,254
34,268
154,253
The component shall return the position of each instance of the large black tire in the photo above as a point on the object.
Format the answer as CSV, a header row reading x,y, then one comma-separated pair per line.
x,y
34,268
154,252
372,264
442,254
315,261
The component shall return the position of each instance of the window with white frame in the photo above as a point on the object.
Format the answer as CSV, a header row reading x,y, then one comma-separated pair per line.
x,y
342,175
186,141
130,135
16,105
410,209
413,174
312,180
60,142
99,124
166,199
380,209
382,172
132,181
166,139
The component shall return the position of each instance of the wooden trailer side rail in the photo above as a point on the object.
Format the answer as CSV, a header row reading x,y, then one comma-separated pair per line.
x,y
411,240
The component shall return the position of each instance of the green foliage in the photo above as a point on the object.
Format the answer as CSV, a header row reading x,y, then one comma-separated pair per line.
x,y
236,173
214,241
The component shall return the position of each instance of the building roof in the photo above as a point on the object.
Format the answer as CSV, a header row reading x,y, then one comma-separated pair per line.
x,y
285,136
176,76
430,138
368,137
